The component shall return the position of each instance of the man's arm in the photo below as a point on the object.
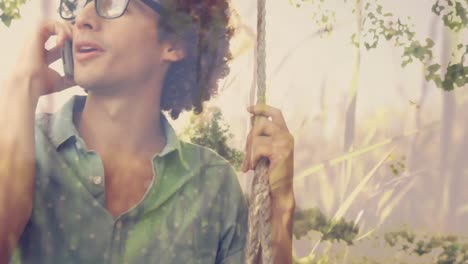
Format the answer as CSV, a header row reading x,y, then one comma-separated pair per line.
x,y
270,138
282,214
18,100
17,108
282,224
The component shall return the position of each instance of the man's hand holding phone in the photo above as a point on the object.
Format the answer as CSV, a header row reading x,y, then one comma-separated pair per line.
x,y
35,60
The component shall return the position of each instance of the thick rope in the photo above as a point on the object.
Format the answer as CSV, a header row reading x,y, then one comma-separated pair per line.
x,y
259,234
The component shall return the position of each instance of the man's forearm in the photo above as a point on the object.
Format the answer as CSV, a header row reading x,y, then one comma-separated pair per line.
x,y
17,107
282,225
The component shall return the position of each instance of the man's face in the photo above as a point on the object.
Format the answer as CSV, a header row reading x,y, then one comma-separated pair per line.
x,y
116,53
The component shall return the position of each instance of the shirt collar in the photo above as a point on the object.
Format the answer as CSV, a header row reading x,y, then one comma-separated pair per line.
x,y
172,141
62,125
64,129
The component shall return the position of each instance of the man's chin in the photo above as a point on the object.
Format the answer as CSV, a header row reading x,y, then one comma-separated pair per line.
x,y
96,87
87,82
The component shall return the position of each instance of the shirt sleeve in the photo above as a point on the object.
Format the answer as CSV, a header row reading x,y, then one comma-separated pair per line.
x,y
234,233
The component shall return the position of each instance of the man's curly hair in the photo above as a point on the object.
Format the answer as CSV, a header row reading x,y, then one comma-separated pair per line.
x,y
203,28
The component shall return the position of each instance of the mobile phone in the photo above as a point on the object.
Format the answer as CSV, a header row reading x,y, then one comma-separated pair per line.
x,y
67,58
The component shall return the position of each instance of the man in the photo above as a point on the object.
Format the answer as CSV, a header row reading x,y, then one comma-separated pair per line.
x,y
105,179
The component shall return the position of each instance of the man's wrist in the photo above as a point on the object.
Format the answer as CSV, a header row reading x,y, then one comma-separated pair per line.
x,y
20,87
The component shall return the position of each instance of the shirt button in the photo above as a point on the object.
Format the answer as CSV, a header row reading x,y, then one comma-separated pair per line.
x,y
118,224
97,180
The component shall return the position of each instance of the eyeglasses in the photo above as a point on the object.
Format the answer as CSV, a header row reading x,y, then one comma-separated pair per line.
x,y
110,9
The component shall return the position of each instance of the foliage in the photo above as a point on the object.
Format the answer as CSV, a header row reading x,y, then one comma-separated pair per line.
x,y
331,230
324,18
423,249
377,25
453,13
397,166
9,10
211,131
452,251
385,25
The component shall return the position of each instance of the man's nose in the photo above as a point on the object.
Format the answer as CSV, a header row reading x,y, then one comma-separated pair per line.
x,y
87,18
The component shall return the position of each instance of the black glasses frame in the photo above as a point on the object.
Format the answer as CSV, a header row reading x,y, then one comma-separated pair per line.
x,y
152,4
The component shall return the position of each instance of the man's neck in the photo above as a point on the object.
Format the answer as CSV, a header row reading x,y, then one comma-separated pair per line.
x,y
122,125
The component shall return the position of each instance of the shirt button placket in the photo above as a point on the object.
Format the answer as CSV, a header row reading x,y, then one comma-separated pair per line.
x,y
117,252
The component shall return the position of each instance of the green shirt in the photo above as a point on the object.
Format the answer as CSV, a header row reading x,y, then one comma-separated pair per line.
x,y
193,212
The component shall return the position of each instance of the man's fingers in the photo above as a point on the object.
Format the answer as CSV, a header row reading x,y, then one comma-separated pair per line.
x,y
59,82
64,33
264,127
268,111
257,148
52,28
64,83
261,147
53,55
261,133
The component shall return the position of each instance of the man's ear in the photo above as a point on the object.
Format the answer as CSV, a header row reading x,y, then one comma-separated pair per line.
x,y
173,51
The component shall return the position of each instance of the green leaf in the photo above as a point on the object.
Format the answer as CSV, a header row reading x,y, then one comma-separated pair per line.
x,y
436,8
447,85
437,81
379,9
433,68
324,19
406,62
6,20
429,43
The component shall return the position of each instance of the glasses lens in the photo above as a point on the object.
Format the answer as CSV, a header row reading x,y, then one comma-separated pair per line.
x,y
111,8
70,8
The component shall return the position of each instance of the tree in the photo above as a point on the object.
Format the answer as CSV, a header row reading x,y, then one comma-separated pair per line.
x,y
448,249
377,25
210,130
10,10
313,219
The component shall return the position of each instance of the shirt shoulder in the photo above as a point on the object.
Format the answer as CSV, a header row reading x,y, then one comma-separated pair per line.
x,y
43,137
194,154
47,156
43,122
231,247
